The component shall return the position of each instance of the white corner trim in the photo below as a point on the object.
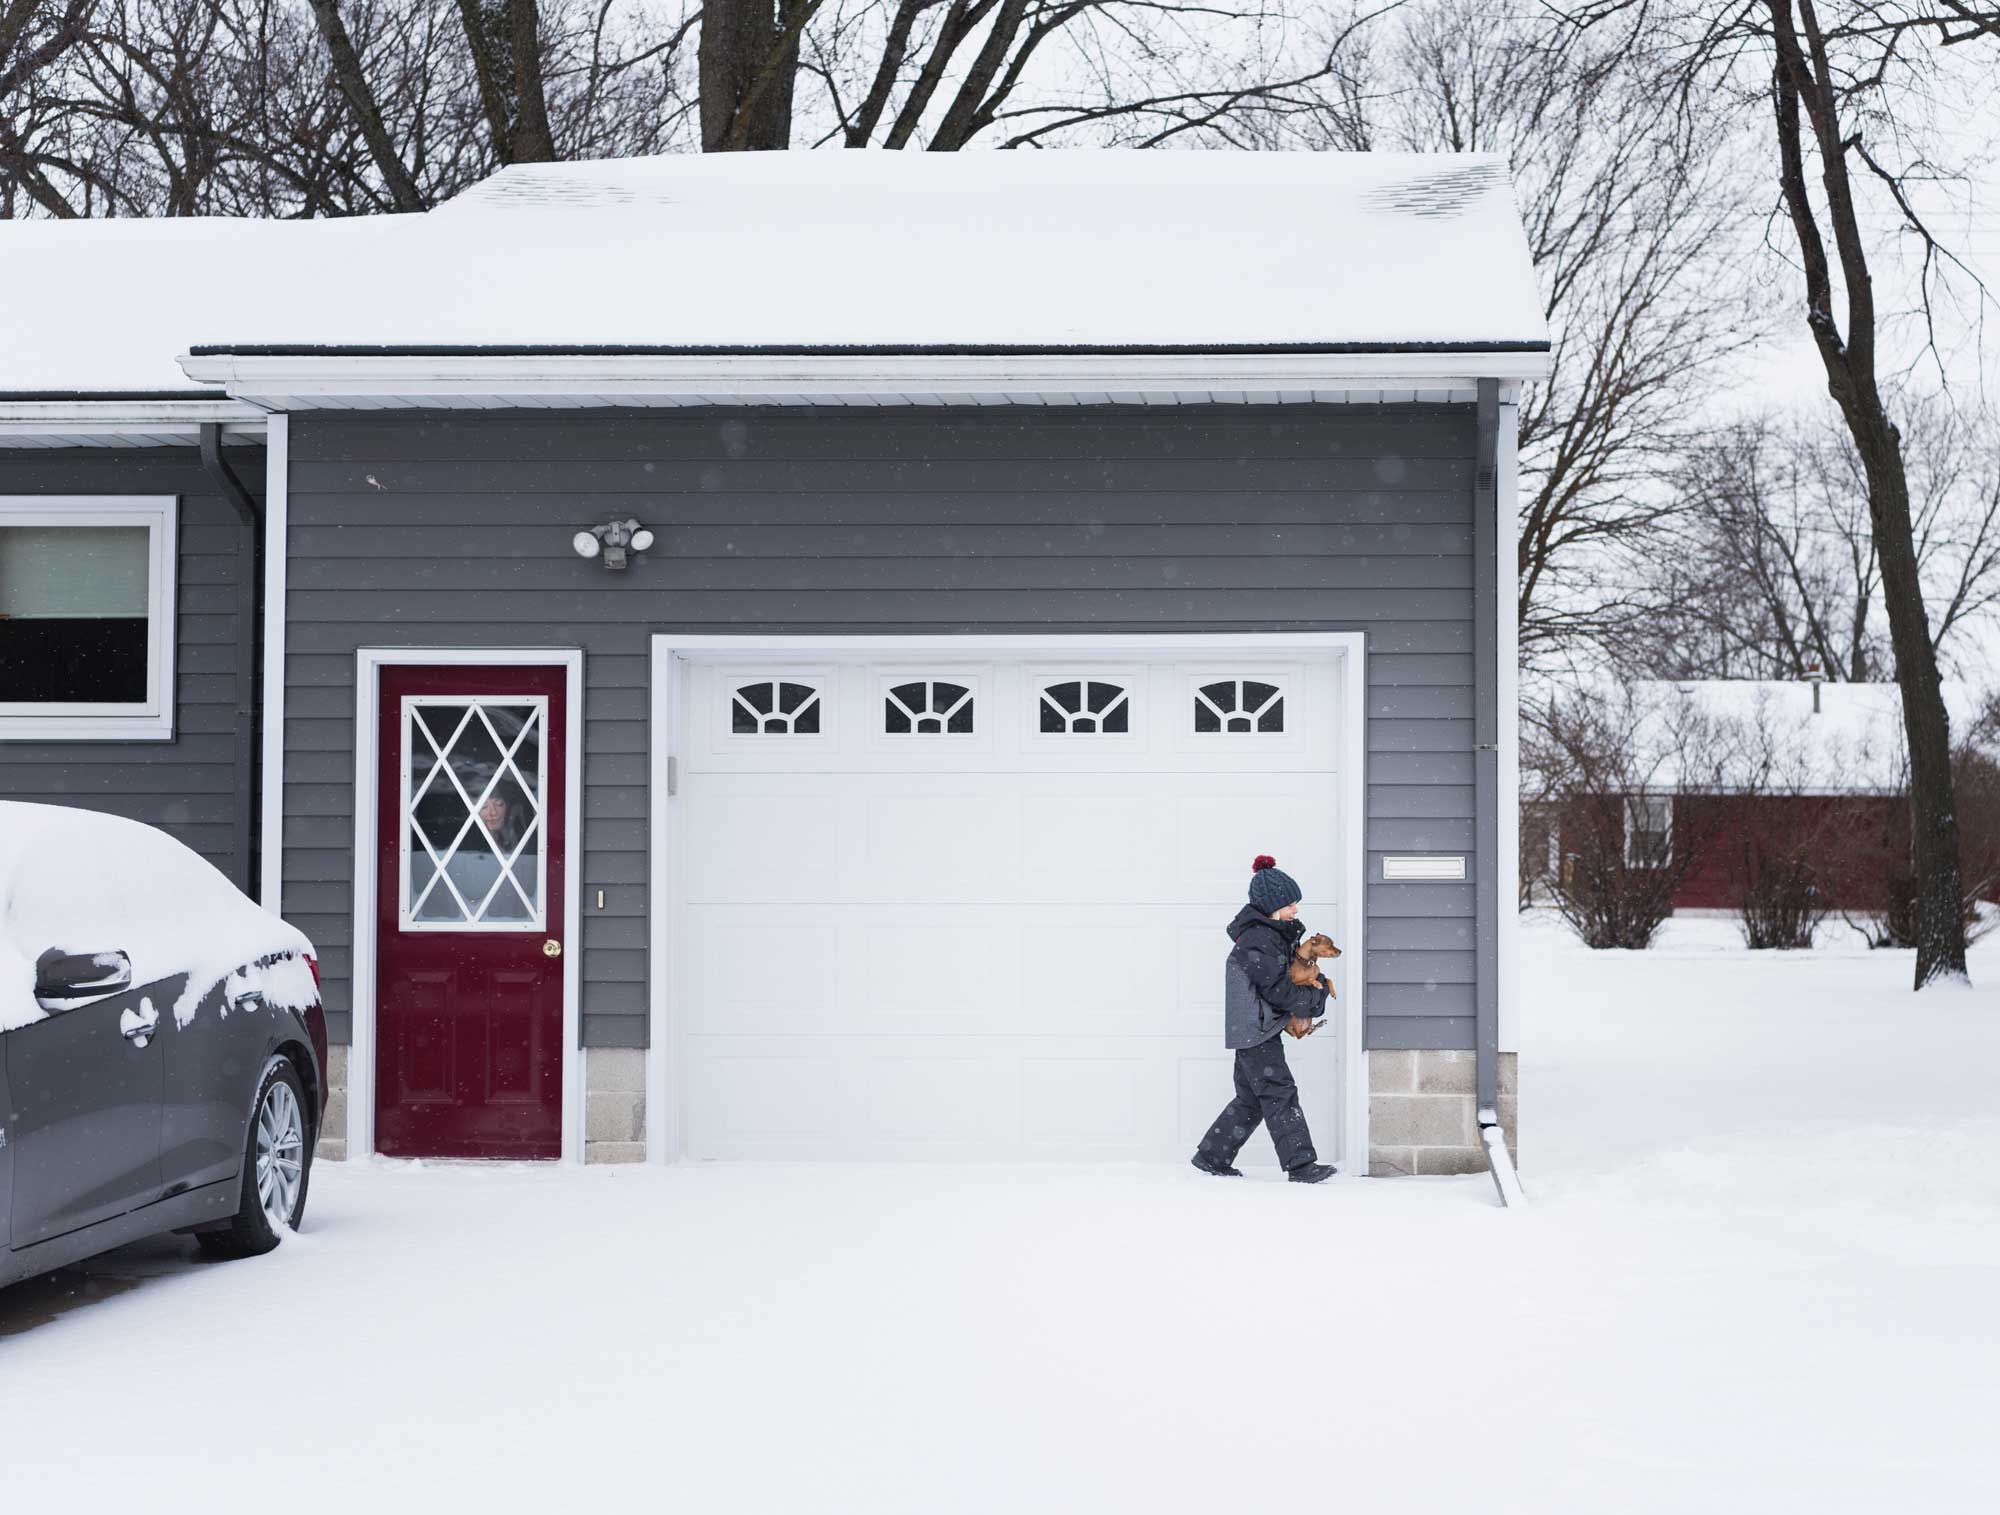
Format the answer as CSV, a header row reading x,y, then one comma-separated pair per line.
x,y
153,718
832,376
665,1135
277,504
368,664
665,1068
1509,693
1354,823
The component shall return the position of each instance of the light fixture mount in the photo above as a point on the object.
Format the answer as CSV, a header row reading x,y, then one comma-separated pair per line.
x,y
614,541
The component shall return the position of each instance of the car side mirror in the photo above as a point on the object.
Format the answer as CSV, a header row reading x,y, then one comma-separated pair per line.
x,y
64,980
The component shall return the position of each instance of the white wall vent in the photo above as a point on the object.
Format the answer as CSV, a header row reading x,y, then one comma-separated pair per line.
x,y
1424,869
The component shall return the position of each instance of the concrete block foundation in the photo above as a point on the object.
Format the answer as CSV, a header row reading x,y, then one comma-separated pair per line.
x,y
614,1116
332,1145
614,1105
1421,1115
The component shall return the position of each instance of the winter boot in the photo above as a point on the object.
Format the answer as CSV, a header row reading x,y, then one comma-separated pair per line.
x,y
1310,1173
1215,1165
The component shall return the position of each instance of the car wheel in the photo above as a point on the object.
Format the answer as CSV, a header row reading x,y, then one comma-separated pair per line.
x,y
277,1163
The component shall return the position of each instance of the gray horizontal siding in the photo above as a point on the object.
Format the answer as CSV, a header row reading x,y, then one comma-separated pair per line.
x,y
185,786
453,530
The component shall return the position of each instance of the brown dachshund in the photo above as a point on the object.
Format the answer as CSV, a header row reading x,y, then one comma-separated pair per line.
x,y
1303,973
1306,955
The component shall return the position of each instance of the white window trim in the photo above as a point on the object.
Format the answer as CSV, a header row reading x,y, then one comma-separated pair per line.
x,y
1649,799
815,679
537,925
1043,677
153,718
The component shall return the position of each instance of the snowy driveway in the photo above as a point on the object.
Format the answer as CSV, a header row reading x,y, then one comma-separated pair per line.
x,y
1724,1307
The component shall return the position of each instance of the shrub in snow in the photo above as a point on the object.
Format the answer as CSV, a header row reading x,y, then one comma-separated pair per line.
x,y
1608,767
1778,871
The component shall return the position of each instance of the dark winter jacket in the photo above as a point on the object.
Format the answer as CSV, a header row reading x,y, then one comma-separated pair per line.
x,y
1262,953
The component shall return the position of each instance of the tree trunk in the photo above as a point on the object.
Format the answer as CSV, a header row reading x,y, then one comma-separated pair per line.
x,y
1934,852
1803,83
361,100
748,61
532,140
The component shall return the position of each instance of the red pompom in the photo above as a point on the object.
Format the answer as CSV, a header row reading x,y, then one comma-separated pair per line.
x,y
1262,863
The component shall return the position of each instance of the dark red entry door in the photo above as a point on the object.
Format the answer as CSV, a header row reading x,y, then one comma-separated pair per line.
x,y
469,912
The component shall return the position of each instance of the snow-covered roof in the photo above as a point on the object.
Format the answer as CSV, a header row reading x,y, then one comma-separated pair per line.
x,y
806,252
1766,734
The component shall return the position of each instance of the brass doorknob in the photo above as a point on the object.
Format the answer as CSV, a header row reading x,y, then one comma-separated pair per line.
x,y
551,948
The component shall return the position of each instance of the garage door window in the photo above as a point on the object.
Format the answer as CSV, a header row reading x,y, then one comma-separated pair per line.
x,y
86,618
1242,706
1086,707
780,707
928,707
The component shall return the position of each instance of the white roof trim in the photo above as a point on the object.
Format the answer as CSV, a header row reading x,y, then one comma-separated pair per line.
x,y
305,380
86,414
125,423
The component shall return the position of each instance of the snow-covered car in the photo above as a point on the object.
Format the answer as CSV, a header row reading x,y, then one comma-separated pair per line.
x,y
162,1046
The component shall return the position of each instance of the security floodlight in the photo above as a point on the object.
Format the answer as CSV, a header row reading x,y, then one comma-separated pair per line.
x,y
613,540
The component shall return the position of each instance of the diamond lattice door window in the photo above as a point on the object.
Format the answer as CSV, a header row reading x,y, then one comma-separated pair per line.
x,y
473,857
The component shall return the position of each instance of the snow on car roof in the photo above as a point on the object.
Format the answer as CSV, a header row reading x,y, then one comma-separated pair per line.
x,y
85,882
808,250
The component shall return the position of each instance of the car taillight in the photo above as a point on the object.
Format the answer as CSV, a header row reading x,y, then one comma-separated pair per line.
x,y
313,963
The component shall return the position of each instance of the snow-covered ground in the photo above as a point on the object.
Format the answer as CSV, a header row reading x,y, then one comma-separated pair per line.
x,y
1759,1275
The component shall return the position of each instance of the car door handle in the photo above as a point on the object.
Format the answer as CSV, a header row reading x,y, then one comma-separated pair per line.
x,y
136,1026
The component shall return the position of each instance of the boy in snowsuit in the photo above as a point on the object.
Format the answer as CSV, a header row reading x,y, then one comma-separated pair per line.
x,y
1265,932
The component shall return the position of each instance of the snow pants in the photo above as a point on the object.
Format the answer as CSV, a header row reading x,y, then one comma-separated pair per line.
x,y
1266,1093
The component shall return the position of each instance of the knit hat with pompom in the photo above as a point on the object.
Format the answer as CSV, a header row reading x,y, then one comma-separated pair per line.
x,y
1270,890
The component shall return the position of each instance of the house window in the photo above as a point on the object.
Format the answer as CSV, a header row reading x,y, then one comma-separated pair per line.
x,y
86,618
1649,830
774,706
1095,706
1239,705
927,707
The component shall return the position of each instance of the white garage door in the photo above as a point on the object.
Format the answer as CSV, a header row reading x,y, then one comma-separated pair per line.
x,y
953,908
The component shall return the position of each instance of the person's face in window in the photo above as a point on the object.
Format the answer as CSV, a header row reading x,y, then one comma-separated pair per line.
x,y
493,814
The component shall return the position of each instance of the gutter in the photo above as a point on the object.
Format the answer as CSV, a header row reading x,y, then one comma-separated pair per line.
x,y
1486,788
443,377
243,822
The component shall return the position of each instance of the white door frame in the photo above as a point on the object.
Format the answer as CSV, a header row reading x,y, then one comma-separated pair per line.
x,y
666,1115
368,665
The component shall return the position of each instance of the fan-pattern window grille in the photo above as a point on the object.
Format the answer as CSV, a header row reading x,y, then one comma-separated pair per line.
x,y
927,707
473,819
1086,705
1239,705
775,706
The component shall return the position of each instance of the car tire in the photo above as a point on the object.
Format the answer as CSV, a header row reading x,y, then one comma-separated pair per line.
x,y
280,1135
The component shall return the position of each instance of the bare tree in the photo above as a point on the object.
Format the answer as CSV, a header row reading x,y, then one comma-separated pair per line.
x,y
1636,224
1773,571
332,107
1846,96
35,37
338,107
